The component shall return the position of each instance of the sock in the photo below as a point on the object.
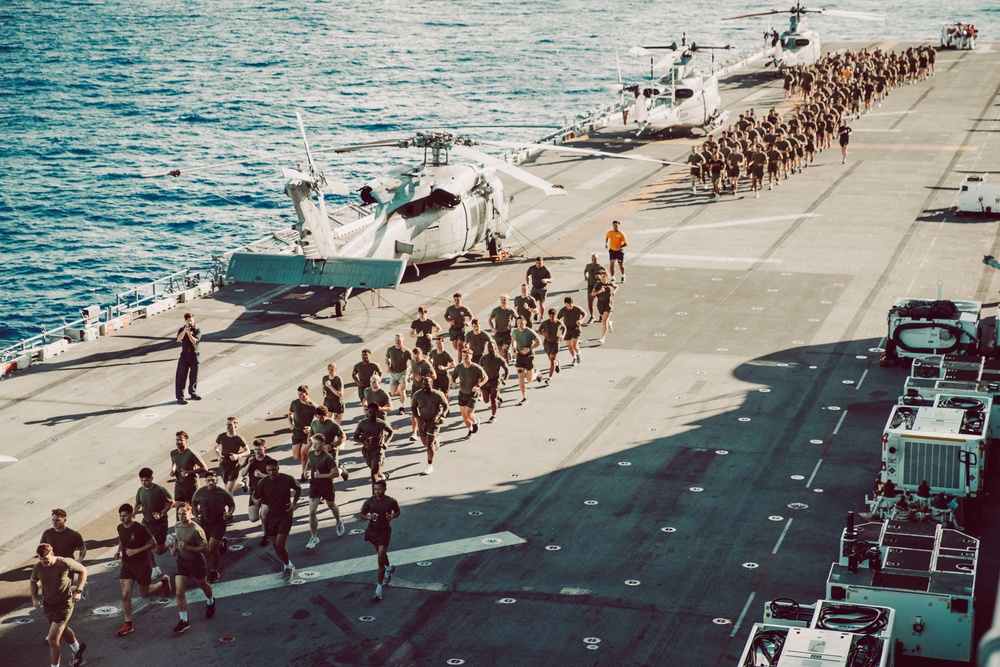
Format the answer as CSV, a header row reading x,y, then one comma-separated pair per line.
x,y
184,616
210,600
290,566
75,646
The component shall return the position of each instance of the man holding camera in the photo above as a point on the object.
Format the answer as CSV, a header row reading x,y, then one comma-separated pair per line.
x,y
187,365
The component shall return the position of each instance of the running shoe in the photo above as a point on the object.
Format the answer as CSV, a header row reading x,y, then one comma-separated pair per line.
x,y
263,541
311,544
125,630
194,397
475,426
413,437
156,573
557,367
523,401
601,340
165,590
378,592
344,475
210,610
340,528
611,325
429,469
245,485
181,626
578,358
286,573
401,410
492,419
214,576
388,573
78,656
623,275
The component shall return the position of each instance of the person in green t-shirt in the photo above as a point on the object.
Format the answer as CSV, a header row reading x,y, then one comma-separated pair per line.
x,y
443,362
429,409
375,395
469,377
52,578
397,361
363,372
301,412
457,317
572,315
476,340
502,321
525,341
333,392
322,469
497,371
232,448
552,331
185,464
420,368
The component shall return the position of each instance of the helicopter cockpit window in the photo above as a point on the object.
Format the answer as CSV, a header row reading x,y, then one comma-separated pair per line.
x,y
684,93
800,42
416,207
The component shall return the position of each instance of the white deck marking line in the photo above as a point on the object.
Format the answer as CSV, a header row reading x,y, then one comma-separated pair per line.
x,y
889,113
781,538
528,216
862,380
706,258
728,223
872,129
344,568
746,608
211,383
7,459
840,421
759,94
600,178
813,476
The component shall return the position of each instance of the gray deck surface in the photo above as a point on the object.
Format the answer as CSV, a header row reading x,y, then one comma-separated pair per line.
x,y
721,398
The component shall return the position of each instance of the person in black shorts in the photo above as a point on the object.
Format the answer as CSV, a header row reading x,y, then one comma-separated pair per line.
x,y
323,468
457,316
277,491
525,341
232,449
552,331
374,436
443,362
497,371
214,507
154,502
189,544
380,510
253,471
845,138
135,543
424,330
539,277
571,316
429,407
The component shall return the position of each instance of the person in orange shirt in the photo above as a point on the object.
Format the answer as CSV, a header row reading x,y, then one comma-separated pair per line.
x,y
615,241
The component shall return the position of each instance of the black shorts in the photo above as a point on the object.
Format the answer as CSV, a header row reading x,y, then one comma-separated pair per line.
x,y
456,333
501,338
322,489
538,293
844,141
137,569
525,362
490,390
378,537
441,382
424,343
158,529
773,167
605,308
427,426
616,255
184,494
230,472
277,523
192,567
374,458
299,436
572,334
733,173
757,172
467,400
550,348
214,530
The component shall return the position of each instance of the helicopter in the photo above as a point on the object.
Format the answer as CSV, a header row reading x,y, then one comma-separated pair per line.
x,y
798,44
680,98
432,211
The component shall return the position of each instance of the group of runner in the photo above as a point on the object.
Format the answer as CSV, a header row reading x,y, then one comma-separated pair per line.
x,y
838,87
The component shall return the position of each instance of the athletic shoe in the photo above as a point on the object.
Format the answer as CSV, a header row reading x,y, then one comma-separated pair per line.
x,y
413,437
429,469
344,475
716,198
210,610
388,573
557,367
264,541
311,544
181,626
224,545
78,656
523,401
378,592
468,436
611,325
245,485
287,573
401,409
126,629
492,419
214,576
194,397
578,358
340,528
601,340
165,591
182,401
302,478
756,195
475,426
770,187
546,382
540,378
156,573
623,275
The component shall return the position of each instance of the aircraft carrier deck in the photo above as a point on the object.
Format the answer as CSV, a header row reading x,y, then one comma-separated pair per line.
x,y
638,511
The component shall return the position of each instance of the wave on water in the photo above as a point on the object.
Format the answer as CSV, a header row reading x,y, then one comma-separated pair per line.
x,y
98,93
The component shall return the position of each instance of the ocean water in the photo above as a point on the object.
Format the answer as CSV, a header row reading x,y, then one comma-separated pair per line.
x,y
93,94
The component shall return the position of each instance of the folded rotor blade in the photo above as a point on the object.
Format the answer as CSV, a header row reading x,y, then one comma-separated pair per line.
x,y
509,169
578,151
863,16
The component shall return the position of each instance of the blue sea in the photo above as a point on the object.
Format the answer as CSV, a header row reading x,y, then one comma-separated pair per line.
x,y
93,94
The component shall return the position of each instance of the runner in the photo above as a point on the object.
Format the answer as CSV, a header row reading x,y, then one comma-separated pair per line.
x,y
497,371
615,241
254,470
135,543
844,132
333,393
214,507
276,491
397,361
374,436
154,502
231,449
525,305
301,412
715,166
539,277
501,321
476,340
185,464
443,362
375,395
469,377
457,316
525,341
53,578
333,434
552,331
605,293
429,409
424,329
420,369
380,510
363,372
590,273
65,541
571,315
189,545
696,160
322,469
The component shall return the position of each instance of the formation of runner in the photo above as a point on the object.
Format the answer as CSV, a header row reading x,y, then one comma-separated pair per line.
x,y
838,87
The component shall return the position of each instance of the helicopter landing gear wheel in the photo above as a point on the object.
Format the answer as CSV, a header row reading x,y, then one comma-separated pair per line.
x,y
339,306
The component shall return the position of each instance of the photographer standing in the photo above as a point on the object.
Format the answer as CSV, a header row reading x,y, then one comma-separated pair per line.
x,y
187,366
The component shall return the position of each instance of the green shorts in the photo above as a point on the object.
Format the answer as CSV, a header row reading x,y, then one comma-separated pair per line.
x,y
550,348
467,400
374,458
59,614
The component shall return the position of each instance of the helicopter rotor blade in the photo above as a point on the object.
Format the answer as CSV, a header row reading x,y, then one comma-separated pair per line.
x,y
862,16
509,169
578,151
768,13
221,165
305,142
357,147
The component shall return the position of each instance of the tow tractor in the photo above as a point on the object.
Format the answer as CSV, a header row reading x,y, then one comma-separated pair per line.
x,y
978,195
922,327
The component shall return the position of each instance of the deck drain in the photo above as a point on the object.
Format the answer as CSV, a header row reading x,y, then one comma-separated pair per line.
x,y
826,303
553,547
632,582
668,529
355,531
833,408
630,302
722,349
699,296
475,513
722,452
815,441
681,313
227,639
722,621
696,489
860,356
456,661
751,566
782,365
798,506
298,582
234,547
592,647
506,601
112,563
814,319
591,640
876,350
775,517
624,463
308,574
247,614
24,620
492,540
798,342
109,610
817,490
248,364
589,502
743,419
366,619
772,290
756,308
650,284
764,391
424,563
164,600
847,381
